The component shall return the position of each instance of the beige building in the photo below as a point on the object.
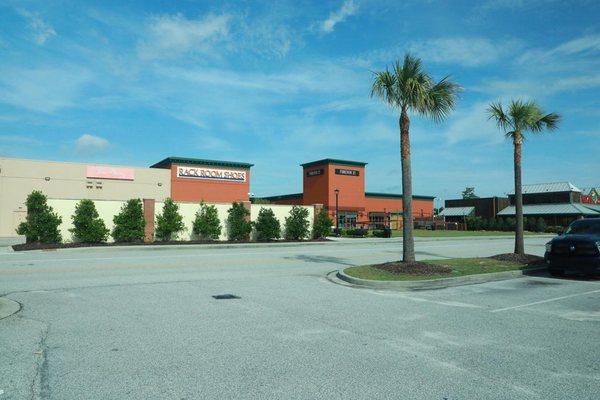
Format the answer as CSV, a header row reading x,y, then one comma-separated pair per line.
x,y
74,181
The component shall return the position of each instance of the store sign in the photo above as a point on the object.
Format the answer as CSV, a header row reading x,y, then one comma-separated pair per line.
x,y
104,172
211,174
349,172
315,172
592,198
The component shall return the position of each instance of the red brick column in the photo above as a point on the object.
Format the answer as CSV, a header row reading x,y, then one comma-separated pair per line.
x,y
149,218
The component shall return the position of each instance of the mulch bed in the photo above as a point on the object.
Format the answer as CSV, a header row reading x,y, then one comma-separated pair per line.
x,y
425,269
414,268
54,246
526,259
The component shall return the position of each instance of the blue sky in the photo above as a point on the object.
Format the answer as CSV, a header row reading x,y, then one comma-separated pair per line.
x,y
281,83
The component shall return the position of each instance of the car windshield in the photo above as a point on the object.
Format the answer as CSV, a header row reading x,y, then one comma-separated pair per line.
x,y
585,227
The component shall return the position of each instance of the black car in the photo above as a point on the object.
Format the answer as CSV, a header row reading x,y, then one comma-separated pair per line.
x,y
577,250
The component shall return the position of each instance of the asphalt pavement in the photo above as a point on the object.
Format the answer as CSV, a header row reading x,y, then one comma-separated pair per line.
x,y
141,323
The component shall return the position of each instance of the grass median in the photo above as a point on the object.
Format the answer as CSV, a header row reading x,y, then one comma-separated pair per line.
x,y
438,269
446,233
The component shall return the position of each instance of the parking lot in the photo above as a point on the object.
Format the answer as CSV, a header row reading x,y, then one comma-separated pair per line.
x,y
141,323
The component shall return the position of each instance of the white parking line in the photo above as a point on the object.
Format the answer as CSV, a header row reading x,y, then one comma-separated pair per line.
x,y
545,301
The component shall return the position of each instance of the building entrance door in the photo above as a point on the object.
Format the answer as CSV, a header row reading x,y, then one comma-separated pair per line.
x,y
348,219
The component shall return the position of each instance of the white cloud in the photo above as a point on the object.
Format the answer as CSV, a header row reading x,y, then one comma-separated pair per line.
x,y
90,144
46,89
464,51
574,54
172,35
348,8
472,124
469,52
19,139
41,30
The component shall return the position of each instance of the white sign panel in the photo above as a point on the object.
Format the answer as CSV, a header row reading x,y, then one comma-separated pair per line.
x,y
212,174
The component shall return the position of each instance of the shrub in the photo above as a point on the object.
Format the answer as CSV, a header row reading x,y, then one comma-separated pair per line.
x,y
88,227
129,223
206,224
296,224
357,232
170,222
322,226
540,225
511,224
554,229
238,225
474,223
42,222
379,233
266,225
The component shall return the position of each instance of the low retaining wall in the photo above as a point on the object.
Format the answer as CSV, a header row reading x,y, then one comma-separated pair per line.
x,y
107,209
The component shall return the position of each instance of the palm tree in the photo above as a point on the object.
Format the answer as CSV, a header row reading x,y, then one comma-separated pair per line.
x,y
518,118
407,87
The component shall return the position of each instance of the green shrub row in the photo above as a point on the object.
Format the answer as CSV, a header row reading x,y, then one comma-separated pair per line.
x,y
505,224
42,224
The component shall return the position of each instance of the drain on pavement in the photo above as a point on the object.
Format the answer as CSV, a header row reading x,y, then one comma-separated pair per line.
x,y
227,296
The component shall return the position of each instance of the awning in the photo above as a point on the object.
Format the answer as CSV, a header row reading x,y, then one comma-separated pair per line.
x,y
457,211
552,209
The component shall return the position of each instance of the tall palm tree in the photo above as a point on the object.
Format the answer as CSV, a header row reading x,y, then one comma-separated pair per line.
x,y
518,118
407,87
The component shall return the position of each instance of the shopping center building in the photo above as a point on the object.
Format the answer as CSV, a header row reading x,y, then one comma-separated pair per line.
x,y
182,179
330,182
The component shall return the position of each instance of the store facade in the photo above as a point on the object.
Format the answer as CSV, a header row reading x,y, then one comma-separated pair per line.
x,y
182,179
340,184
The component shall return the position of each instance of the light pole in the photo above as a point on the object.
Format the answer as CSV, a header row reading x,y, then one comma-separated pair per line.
x,y
337,211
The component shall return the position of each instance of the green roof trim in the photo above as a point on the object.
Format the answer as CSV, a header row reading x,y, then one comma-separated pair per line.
x,y
333,161
283,197
166,163
397,196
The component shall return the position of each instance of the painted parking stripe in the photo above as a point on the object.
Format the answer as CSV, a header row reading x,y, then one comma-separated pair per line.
x,y
545,301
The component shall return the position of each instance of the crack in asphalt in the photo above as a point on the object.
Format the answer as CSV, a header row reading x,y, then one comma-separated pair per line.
x,y
40,387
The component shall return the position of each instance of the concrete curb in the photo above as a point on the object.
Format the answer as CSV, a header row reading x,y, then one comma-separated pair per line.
x,y
8,307
330,241
436,283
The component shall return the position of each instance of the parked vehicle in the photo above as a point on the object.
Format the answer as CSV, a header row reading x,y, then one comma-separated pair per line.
x,y
577,250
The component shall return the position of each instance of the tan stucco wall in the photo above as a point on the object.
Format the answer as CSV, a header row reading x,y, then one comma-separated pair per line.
x,y
281,212
20,177
107,209
188,212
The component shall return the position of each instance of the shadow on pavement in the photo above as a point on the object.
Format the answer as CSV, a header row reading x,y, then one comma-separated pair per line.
x,y
321,260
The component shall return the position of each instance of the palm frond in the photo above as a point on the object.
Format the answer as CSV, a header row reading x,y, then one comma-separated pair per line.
x,y
406,85
496,112
384,87
440,100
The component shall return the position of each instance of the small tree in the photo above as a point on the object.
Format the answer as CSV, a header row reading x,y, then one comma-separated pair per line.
x,y
88,227
469,193
42,222
541,225
296,224
322,226
170,222
129,223
238,225
266,225
206,224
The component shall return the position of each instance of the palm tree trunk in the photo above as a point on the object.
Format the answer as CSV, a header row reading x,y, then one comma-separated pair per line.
x,y
408,241
519,241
